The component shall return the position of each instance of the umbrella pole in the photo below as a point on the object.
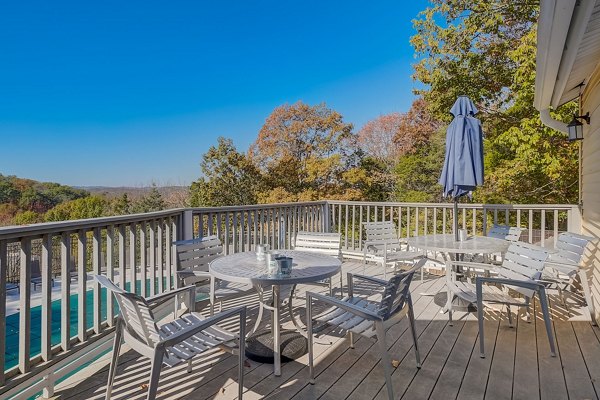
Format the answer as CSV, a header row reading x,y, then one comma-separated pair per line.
x,y
455,219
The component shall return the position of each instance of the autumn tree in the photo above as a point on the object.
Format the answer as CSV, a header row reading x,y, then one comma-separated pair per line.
x,y
228,178
306,153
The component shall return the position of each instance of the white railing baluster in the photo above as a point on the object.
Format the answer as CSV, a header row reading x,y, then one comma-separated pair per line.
x,y
133,258
3,278
143,260
25,305
96,261
81,285
65,291
159,255
110,272
46,271
152,256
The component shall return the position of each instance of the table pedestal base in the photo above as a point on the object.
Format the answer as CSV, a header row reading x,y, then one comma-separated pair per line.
x,y
458,304
259,346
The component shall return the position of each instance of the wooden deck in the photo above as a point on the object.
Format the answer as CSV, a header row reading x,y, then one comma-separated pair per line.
x,y
518,363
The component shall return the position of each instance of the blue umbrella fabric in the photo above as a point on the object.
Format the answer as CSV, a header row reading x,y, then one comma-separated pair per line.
x,y
463,164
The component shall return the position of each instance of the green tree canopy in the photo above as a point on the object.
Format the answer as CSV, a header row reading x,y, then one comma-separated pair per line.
x,y
228,178
486,49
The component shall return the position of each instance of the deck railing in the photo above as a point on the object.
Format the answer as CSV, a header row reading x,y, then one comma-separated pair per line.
x,y
136,251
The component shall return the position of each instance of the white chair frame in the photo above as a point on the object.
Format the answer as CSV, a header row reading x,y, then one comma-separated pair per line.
x,y
322,243
382,245
173,342
357,315
193,259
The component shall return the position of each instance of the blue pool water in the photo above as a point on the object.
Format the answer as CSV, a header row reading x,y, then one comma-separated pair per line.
x,y
12,323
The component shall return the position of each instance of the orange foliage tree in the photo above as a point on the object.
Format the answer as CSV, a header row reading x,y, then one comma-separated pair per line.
x,y
306,153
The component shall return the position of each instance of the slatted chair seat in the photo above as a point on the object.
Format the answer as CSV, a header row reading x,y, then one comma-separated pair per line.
x,y
367,317
515,282
173,342
205,340
383,246
322,243
193,259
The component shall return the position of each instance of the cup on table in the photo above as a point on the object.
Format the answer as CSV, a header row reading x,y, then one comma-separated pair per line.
x,y
261,250
272,265
463,235
284,265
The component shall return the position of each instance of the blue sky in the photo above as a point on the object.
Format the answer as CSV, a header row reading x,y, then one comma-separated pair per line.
x,y
129,93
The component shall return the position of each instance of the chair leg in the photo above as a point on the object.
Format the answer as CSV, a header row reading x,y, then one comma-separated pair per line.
x,y
449,307
189,366
385,358
509,314
242,355
330,287
341,285
479,291
155,372
411,320
115,358
309,331
588,295
527,310
547,322
351,336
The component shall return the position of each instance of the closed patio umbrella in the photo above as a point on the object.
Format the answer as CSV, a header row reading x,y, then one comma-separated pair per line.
x,y
463,164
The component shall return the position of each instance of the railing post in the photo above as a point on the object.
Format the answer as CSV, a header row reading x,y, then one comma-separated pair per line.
x,y
187,225
326,217
574,219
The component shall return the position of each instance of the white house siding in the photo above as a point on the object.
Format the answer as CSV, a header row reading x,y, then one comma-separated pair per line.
x,y
590,183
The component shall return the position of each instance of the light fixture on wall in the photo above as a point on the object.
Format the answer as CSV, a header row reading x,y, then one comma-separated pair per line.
x,y
575,127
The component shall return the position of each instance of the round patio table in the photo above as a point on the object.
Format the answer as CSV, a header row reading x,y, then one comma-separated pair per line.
x,y
447,244
245,268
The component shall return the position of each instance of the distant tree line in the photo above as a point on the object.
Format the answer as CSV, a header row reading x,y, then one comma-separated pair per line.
x,y
26,201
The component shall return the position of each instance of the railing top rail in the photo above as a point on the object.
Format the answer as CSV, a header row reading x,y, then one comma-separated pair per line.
x,y
12,232
197,210
460,205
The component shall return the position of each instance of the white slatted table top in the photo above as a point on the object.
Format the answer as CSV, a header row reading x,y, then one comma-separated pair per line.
x,y
244,268
446,243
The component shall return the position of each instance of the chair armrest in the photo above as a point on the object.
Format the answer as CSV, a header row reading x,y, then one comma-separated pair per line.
x,y
533,285
377,281
351,308
565,268
207,323
171,293
198,274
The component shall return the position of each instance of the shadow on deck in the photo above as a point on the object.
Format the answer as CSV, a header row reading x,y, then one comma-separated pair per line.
x,y
518,363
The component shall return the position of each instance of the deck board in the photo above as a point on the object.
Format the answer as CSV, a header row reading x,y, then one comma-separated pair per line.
x,y
517,364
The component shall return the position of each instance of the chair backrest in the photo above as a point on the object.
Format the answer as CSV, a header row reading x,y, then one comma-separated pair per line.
x,y
196,254
572,246
510,233
383,232
396,292
318,242
135,313
523,261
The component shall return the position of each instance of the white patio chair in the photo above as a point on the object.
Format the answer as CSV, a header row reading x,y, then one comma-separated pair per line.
x,y
173,342
515,283
193,258
322,243
368,318
564,266
383,246
505,232
510,233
